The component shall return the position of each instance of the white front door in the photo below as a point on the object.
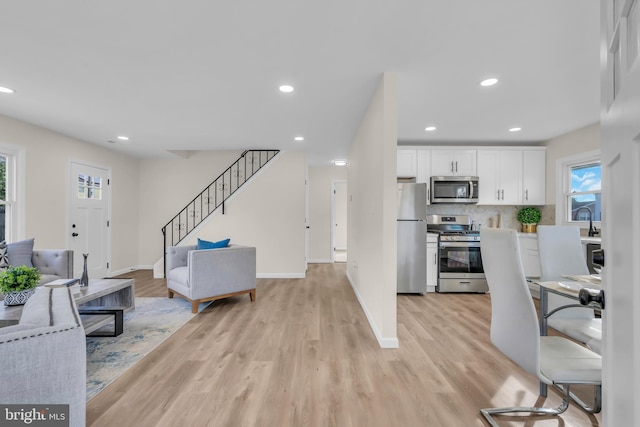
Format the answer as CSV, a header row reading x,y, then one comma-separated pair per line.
x,y
89,195
620,121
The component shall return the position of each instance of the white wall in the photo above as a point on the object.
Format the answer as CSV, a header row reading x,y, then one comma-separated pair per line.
x,y
268,212
48,157
166,186
572,143
320,224
372,232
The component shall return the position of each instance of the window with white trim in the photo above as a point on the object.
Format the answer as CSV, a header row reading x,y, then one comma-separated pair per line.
x,y
584,195
5,196
5,204
579,187
12,184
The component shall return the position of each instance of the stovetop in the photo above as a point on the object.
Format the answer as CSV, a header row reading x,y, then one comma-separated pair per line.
x,y
470,236
453,232
452,228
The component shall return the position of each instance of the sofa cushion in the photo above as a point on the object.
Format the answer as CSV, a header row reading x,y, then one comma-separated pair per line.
x,y
203,244
20,253
179,275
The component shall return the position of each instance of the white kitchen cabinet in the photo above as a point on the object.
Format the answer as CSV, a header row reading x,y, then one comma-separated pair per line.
x,y
432,262
529,254
500,177
407,163
512,176
534,173
453,162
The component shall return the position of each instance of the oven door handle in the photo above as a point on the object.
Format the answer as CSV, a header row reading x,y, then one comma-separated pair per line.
x,y
444,245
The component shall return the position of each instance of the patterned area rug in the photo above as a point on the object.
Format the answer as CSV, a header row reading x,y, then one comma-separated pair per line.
x,y
146,327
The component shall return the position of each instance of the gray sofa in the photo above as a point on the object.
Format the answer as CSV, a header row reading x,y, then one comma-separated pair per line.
x,y
211,274
44,356
53,264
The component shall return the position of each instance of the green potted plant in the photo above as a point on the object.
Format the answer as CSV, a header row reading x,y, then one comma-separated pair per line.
x,y
529,217
18,283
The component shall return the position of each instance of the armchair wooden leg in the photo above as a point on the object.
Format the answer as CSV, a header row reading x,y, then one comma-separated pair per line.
x,y
252,294
194,306
170,294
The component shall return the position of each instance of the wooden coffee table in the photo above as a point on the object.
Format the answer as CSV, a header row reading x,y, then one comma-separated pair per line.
x,y
105,293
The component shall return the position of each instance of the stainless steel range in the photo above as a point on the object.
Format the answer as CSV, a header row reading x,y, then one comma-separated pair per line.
x,y
459,260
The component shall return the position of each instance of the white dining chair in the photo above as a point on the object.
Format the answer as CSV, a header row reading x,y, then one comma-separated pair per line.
x,y
554,360
561,252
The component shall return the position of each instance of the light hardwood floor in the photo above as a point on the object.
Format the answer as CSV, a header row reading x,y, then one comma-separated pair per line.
x,y
303,354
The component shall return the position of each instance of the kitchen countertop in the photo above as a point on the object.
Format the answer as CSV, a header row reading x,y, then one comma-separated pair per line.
x,y
585,239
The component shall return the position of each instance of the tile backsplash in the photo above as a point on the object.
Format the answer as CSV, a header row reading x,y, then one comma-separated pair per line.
x,y
491,216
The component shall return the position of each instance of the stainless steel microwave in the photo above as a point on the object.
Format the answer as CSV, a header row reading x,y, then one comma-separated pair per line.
x,y
454,189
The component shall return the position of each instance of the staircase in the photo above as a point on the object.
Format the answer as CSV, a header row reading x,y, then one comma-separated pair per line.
x,y
214,196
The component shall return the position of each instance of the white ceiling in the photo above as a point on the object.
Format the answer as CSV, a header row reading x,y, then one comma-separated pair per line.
x,y
202,74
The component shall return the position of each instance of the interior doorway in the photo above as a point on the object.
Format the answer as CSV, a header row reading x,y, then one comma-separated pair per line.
x,y
339,221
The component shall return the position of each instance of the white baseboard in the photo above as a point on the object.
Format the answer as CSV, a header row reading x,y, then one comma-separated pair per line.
x,y
382,341
281,275
130,269
320,261
258,275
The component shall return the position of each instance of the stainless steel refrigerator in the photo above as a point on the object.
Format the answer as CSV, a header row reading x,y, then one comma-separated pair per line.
x,y
412,238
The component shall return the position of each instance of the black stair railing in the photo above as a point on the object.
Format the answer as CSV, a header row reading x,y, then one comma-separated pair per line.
x,y
214,196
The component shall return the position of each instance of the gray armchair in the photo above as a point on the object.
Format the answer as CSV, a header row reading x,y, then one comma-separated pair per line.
x,y
210,274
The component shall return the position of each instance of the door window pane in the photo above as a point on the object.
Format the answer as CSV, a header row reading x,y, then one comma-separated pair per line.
x,y
89,187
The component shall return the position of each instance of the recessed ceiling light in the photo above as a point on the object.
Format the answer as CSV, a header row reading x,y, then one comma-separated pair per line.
x,y
286,88
430,128
123,138
299,138
340,162
515,129
6,90
489,82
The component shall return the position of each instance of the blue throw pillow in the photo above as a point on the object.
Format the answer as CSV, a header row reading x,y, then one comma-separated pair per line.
x,y
203,244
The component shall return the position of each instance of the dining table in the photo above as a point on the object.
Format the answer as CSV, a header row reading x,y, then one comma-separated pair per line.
x,y
569,288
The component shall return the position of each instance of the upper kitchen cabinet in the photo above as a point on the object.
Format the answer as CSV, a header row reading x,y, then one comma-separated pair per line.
x,y
424,166
500,177
512,176
452,162
407,163
534,173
